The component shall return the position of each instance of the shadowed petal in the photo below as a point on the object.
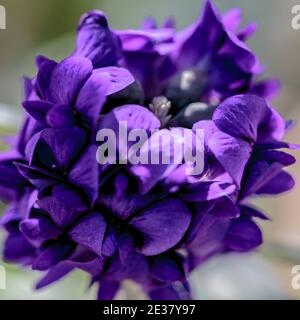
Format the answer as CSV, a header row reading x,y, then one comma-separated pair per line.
x,y
162,225
89,232
51,256
64,205
243,235
67,78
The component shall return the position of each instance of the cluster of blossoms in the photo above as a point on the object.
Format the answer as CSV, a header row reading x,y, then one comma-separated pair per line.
x,y
149,223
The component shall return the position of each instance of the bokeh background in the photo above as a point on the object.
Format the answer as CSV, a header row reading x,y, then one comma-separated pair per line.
x,y
48,27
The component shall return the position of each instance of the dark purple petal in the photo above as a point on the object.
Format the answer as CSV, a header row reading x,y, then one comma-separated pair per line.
x,y
207,233
123,203
56,148
96,41
225,208
252,212
110,242
167,268
272,128
266,88
85,173
51,256
40,178
67,78
17,249
38,109
44,75
266,166
232,153
92,97
54,274
240,116
89,232
11,181
135,267
162,225
60,116
243,235
108,290
64,205
39,229
282,182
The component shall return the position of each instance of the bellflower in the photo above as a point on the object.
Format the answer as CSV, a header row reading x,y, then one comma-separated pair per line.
x,y
151,223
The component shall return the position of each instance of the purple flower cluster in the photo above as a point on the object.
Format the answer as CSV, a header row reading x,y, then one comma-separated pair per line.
x,y
152,224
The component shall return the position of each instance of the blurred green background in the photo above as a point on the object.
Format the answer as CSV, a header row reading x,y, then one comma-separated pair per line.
x,y
48,27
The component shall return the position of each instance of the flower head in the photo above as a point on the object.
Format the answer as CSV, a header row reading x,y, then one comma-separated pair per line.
x,y
151,223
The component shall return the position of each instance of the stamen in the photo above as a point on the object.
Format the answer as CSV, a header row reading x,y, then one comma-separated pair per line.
x,y
161,106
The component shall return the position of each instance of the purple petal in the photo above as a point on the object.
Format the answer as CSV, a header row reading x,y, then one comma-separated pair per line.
x,y
38,109
162,225
39,229
167,269
56,148
85,173
89,232
232,153
64,205
266,166
247,31
110,242
96,41
240,116
92,97
150,174
60,116
44,76
40,178
135,267
51,256
54,274
118,78
243,235
225,208
266,88
252,212
108,290
272,128
67,78
282,182
207,233
124,204
11,181
232,19
17,249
